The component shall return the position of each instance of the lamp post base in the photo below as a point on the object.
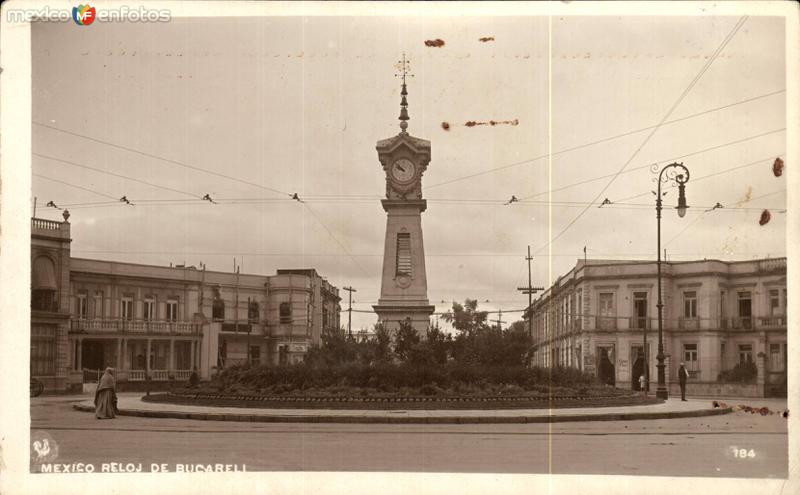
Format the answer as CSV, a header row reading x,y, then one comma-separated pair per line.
x,y
661,391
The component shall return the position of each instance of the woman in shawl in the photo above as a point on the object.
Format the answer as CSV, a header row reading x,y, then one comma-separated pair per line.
x,y
105,398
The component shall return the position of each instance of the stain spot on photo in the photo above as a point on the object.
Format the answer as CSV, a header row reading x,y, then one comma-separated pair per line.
x,y
777,167
437,43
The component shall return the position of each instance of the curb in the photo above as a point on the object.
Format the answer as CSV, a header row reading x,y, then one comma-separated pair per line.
x,y
259,418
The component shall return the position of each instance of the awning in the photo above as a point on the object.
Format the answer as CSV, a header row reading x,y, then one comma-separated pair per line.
x,y
44,274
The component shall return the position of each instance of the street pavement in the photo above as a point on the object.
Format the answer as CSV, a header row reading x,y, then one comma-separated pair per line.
x,y
707,446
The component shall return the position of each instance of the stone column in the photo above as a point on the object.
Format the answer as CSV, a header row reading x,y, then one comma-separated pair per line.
x,y
124,354
147,358
171,354
119,353
192,352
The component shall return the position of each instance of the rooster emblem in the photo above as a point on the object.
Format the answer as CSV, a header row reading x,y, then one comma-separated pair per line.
x,y
42,448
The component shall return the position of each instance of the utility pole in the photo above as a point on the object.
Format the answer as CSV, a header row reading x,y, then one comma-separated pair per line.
x,y
530,290
499,320
350,291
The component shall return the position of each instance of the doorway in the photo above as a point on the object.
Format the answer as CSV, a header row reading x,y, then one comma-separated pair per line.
x,y
638,369
605,367
93,355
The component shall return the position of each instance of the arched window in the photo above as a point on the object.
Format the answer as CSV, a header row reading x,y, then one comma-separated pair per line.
x,y
43,285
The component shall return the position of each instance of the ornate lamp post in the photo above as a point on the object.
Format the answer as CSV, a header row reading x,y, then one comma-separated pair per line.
x,y
680,174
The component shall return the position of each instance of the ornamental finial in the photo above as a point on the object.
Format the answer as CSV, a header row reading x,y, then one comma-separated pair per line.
x,y
404,69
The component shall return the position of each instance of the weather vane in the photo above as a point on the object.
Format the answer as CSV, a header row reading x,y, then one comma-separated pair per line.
x,y
404,68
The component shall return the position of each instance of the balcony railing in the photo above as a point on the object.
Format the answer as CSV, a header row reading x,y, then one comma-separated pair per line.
x,y
640,322
742,322
772,321
689,323
607,322
90,376
41,223
144,327
287,330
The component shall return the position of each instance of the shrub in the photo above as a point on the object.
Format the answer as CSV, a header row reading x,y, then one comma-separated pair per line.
x,y
742,373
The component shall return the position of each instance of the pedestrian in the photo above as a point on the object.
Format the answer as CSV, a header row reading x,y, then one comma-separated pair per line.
x,y
683,374
105,397
641,384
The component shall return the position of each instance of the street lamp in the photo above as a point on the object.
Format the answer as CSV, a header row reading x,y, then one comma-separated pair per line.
x,y
680,174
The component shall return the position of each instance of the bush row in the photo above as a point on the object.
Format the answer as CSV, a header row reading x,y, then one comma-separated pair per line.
x,y
391,377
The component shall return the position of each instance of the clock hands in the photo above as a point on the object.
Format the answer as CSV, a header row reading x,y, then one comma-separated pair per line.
x,y
401,168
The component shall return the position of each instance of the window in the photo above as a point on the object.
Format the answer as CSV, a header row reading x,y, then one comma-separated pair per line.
x,y
690,304
98,304
126,308
149,308
83,305
745,353
775,358
606,304
607,313
43,350
403,261
255,354
285,313
745,310
172,309
640,309
252,311
690,358
774,302
218,309
44,300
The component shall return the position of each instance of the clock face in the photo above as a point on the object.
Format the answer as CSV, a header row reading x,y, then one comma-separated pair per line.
x,y
403,170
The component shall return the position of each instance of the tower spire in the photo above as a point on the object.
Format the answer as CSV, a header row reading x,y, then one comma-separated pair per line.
x,y
404,68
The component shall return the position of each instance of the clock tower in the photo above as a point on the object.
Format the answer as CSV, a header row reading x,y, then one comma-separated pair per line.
x,y
404,286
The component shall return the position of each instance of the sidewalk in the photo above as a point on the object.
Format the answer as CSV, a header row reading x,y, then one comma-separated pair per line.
x,y
132,405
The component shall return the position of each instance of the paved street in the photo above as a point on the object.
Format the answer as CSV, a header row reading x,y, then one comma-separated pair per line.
x,y
681,447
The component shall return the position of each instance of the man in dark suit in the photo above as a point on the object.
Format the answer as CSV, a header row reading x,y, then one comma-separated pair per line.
x,y
683,374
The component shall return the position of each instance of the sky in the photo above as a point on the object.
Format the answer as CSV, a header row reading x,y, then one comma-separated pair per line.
x,y
252,110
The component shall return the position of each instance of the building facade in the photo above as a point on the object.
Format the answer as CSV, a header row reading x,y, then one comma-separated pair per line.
x,y
164,322
601,317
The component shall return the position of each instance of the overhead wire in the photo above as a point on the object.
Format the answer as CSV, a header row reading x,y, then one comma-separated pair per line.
x,y
156,157
677,102
600,141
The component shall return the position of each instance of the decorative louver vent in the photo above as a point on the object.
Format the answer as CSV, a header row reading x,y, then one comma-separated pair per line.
x,y
403,254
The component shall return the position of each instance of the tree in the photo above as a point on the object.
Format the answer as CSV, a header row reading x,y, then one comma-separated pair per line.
x,y
439,344
405,339
477,343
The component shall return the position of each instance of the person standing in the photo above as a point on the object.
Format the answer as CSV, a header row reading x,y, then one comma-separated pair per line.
x,y
683,375
105,397
642,384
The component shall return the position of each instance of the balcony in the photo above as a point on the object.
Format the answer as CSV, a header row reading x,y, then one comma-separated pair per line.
x,y
690,323
742,323
772,321
236,327
606,322
135,327
287,330
640,323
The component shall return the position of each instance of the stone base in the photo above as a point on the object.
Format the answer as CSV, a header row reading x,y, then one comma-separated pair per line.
x,y
392,315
